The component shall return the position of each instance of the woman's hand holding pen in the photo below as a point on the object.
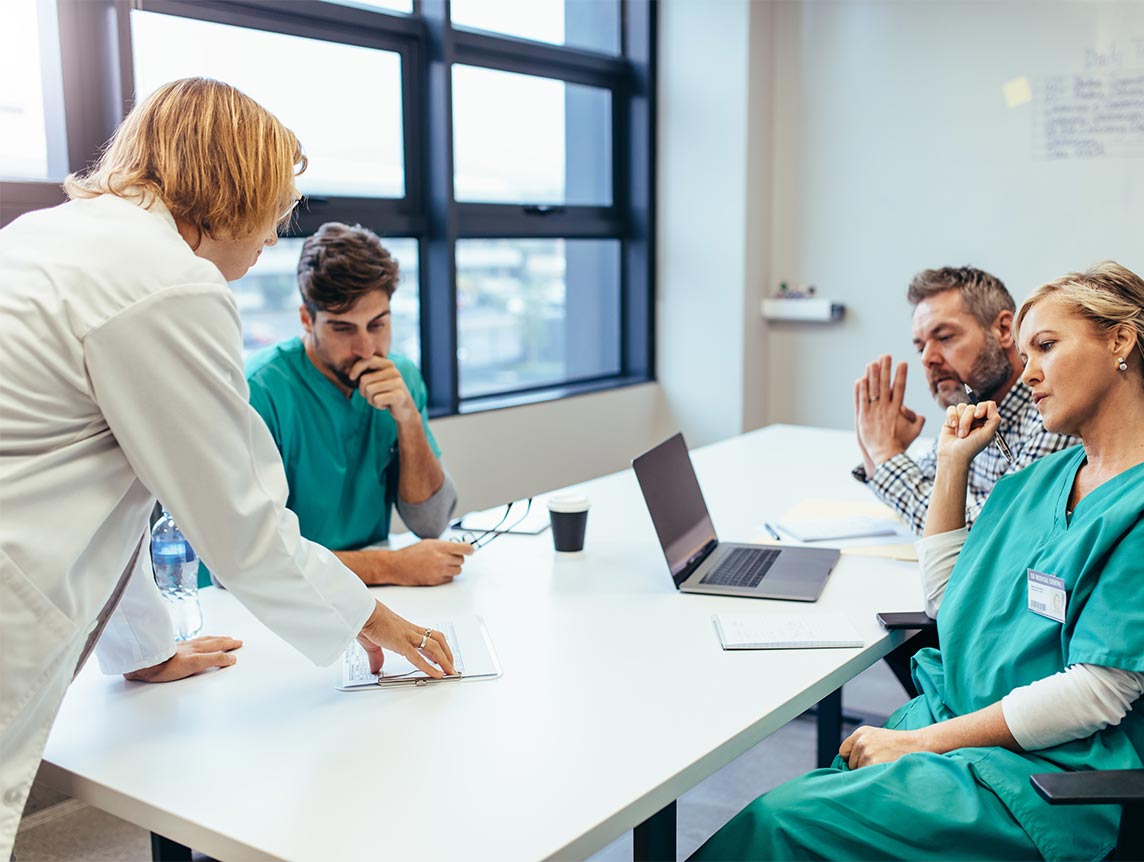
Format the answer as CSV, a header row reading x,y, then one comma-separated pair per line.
x,y
967,430
418,644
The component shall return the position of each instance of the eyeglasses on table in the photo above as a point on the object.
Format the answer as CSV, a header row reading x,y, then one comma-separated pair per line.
x,y
479,538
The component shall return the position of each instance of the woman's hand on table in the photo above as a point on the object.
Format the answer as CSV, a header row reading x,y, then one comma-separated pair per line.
x,y
420,645
191,657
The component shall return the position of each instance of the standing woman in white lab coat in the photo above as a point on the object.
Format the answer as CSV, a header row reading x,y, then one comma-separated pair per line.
x,y
121,381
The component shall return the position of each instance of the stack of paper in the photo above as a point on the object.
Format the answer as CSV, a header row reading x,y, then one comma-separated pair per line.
x,y
786,631
815,517
853,527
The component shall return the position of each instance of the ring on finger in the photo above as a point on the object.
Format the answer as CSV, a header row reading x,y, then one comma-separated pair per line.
x,y
425,638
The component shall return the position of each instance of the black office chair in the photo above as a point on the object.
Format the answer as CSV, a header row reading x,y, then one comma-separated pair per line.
x,y
1123,787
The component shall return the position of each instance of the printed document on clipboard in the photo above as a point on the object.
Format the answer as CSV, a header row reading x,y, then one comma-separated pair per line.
x,y
473,656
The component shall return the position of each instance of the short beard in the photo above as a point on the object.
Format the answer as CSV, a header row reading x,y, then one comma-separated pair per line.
x,y
991,371
343,376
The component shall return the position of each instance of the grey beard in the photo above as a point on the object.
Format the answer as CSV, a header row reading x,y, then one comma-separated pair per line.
x,y
989,373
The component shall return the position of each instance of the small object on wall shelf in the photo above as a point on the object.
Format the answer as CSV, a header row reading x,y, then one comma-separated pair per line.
x,y
806,308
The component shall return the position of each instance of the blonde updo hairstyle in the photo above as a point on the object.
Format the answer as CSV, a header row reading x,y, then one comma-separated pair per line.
x,y
212,155
1107,295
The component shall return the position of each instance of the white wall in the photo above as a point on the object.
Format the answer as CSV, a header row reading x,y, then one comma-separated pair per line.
x,y
510,454
711,185
895,150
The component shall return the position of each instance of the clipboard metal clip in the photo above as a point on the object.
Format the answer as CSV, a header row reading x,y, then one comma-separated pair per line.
x,y
386,681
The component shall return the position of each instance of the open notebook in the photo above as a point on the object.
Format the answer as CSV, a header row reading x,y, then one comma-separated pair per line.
x,y
468,639
786,631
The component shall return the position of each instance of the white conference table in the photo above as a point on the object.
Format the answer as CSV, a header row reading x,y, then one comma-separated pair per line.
x,y
616,697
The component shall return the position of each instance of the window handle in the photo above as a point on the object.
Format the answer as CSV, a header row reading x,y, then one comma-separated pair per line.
x,y
542,210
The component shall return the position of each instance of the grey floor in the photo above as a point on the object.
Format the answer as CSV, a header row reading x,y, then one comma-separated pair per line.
x,y
57,829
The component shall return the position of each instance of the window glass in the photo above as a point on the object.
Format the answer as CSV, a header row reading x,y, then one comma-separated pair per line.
x,y
268,298
389,5
32,141
536,312
590,24
349,121
525,139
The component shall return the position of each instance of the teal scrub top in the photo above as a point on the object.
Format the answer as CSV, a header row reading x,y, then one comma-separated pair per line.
x,y
992,643
340,454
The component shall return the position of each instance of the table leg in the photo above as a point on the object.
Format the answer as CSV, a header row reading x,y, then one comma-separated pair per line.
x,y
829,728
654,839
166,850
1130,844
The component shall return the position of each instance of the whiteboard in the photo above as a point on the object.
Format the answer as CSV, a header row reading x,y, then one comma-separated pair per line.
x,y
908,135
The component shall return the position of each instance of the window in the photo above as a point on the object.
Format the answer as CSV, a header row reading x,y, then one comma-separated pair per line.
x,y
576,23
535,312
502,149
392,5
352,151
524,139
32,140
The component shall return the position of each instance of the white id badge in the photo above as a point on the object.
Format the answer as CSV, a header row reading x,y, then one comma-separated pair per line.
x,y
1047,595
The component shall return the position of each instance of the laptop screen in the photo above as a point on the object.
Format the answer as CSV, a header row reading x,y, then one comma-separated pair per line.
x,y
675,502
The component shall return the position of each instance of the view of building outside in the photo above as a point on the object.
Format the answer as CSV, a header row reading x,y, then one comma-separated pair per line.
x,y
535,312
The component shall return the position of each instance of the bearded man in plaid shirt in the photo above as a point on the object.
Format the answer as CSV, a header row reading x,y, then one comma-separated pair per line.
x,y
963,329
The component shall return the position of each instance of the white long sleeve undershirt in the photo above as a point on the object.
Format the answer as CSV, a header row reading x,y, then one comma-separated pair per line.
x,y
1072,704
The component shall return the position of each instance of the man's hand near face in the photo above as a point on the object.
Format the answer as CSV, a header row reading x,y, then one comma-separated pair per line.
x,y
886,427
381,384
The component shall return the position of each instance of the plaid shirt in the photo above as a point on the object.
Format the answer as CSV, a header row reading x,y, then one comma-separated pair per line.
x,y
905,485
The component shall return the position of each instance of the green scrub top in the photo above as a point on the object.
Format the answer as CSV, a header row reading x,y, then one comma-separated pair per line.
x,y
992,643
340,453
977,803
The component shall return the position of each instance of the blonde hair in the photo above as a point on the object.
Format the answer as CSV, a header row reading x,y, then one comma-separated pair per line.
x,y
1108,295
211,154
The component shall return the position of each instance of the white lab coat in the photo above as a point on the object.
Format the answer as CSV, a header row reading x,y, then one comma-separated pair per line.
x,y
121,380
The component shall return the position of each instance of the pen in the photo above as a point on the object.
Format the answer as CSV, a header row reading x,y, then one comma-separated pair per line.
x,y
997,438
772,531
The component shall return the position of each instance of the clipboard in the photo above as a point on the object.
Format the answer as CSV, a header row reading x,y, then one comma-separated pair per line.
x,y
473,657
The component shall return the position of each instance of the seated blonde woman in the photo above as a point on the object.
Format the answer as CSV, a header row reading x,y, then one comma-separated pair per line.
x,y
1041,624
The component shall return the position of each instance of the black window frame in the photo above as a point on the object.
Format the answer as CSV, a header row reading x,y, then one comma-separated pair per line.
x,y
98,80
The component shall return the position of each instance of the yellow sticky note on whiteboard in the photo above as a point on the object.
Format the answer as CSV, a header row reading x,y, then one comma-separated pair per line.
x,y
1018,92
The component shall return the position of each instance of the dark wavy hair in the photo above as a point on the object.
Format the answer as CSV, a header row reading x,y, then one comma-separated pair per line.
x,y
341,264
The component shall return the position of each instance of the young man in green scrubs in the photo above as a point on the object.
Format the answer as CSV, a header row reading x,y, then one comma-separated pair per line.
x,y
350,420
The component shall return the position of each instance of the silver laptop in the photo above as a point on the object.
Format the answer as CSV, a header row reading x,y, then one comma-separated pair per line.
x,y
698,561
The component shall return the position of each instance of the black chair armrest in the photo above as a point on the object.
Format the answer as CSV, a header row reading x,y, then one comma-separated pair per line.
x,y
914,621
1098,786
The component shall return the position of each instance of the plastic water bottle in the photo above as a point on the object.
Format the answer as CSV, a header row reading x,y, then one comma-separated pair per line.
x,y
177,574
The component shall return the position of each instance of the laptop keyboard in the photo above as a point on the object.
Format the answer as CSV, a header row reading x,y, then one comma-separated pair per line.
x,y
743,567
